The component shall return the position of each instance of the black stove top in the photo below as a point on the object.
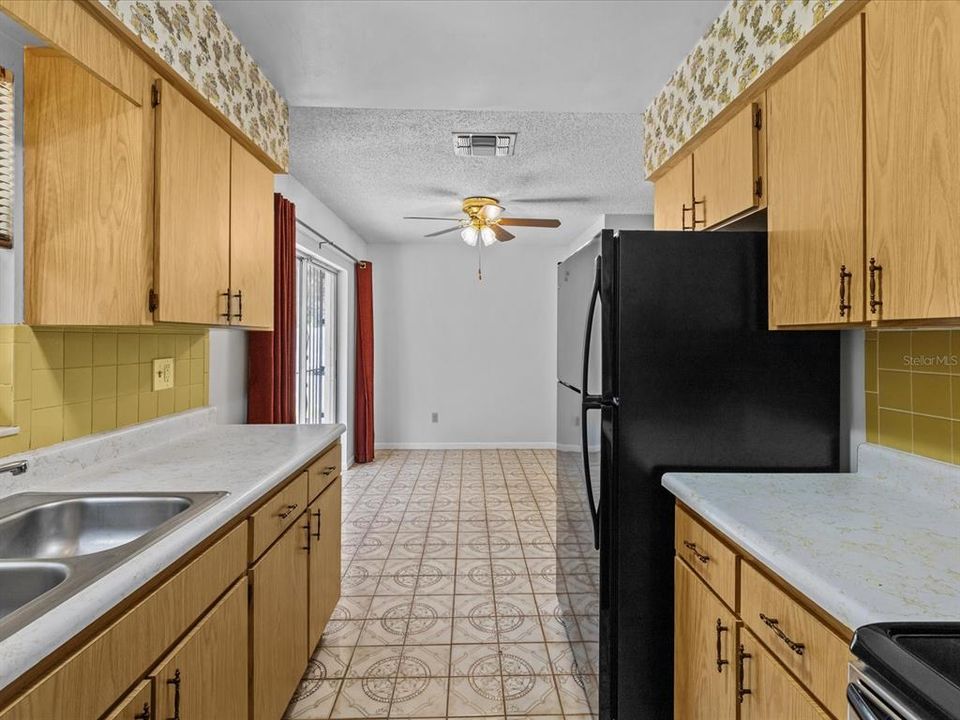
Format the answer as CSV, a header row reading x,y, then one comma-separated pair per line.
x,y
920,660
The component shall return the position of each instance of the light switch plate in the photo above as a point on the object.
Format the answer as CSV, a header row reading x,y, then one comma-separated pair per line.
x,y
163,373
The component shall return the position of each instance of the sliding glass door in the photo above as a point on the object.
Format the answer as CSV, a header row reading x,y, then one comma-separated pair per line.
x,y
316,341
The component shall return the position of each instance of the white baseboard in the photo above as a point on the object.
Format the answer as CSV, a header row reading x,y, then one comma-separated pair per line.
x,y
468,446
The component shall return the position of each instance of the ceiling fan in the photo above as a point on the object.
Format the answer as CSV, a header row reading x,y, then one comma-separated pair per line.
x,y
484,222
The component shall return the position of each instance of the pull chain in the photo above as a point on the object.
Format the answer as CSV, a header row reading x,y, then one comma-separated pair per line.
x,y
480,260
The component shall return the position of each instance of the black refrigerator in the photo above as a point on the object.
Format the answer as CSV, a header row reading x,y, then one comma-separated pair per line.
x,y
665,363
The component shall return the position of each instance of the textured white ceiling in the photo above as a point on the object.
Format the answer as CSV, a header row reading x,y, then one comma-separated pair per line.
x,y
372,167
570,77
573,56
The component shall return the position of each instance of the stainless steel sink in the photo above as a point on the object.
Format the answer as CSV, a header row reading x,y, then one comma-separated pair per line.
x,y
84,525
53,545
22,582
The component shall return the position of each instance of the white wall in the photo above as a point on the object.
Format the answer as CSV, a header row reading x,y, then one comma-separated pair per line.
x,y
482,354
321,218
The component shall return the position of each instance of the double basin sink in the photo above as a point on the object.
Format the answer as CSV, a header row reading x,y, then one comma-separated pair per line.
x,y
54,545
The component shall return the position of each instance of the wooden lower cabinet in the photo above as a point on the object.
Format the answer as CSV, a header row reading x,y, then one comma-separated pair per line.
x,y
324,570
705,633
137,705
768,690
278,622
205,675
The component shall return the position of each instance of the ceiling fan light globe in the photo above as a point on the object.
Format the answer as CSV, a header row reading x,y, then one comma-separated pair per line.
x,y
491,213
488,236
470,235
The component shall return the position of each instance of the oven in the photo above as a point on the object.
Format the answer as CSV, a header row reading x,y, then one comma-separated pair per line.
x,y
870,697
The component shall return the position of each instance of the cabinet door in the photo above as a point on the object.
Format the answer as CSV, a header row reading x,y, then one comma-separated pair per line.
x,y
705,646
726,170
815,193
913,141
673,197
205,675
278,622
137,705
251,240
772,692
192,209
87,250
324,559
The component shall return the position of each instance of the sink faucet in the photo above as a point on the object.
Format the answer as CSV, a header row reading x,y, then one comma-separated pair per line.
x,y
18,467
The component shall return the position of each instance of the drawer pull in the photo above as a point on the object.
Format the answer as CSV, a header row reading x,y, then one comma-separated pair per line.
x,y
845,275
176,694
875,270
720,661
692,547
328,470
286,513
774,625
143,714
741,690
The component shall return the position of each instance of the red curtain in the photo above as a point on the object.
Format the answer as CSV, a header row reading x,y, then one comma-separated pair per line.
x,y
363,417
272,355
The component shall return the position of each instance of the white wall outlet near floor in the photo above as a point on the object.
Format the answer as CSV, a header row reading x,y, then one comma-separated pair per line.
x,y
162,373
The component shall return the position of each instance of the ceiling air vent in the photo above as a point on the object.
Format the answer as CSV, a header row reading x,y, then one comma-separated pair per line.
x,y
484,144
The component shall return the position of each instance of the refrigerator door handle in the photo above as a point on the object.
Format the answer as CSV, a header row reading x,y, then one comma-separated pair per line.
x,y
590,402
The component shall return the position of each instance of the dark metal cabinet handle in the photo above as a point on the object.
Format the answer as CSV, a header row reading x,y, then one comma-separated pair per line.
x,y
845,275
239,314
875,270
328,470
317,533
774,625
176,694
143,714
741,690
683,217
692,547
228,296
694,209
720,661
307,528
286,513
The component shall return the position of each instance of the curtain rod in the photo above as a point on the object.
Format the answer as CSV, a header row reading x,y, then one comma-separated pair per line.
x,y
325,241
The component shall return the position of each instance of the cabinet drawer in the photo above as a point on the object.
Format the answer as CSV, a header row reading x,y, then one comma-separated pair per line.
x,y
323,471
708,556
279,513
796,637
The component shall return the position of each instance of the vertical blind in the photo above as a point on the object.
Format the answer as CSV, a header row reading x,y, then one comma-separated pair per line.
x,y
6,157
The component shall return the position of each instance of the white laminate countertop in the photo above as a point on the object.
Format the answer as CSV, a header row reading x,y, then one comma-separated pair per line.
x,y
188,452
878,545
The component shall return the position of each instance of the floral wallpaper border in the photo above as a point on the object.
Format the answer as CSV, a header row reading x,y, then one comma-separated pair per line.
x,y
745,40
193,39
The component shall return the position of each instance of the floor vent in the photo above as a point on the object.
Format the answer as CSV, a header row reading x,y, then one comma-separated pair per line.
x,y
484,144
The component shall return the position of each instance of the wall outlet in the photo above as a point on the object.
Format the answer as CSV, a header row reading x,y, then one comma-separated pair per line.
x,y
162,373
434,417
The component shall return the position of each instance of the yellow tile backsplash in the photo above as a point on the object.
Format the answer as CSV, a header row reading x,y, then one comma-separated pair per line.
x,y
912,384
61,384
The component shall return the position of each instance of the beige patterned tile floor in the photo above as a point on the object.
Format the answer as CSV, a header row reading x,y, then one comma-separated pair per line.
x,y
449,607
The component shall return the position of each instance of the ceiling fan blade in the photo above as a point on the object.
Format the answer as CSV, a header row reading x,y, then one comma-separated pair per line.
x,y
530,222
420,217
555,199
502,235
443,232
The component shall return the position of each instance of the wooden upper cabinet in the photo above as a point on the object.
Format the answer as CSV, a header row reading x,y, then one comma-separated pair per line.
x,y
673,197
815,193
705,642
278,622
192,207
324,573
728,169
251,240
913,142
87,223
772,692
205,675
